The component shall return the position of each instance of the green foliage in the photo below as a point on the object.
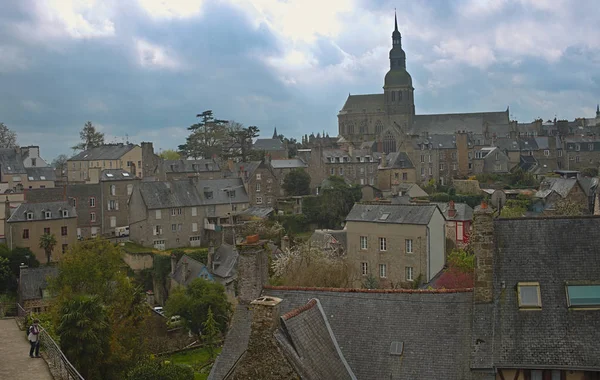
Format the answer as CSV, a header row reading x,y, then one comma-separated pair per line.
x,y
84,332
567,207
47,243
329,209
200,255
192,304
211,333
462,260
242,136
6,275
430,187
60,162
517,179
590,172
512,212
297,182
169,154
153,369
90,138
294,224
206,137
370,282
471,200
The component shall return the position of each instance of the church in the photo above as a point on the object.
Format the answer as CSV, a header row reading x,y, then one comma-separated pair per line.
x,y
388,119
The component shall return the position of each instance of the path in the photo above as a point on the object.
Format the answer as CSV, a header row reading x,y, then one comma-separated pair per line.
x,y
14,351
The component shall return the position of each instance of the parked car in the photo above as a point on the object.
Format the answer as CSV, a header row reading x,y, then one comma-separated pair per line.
x,y
159,310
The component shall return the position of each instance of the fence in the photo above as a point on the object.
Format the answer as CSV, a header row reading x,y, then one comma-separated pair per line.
x,y
59,365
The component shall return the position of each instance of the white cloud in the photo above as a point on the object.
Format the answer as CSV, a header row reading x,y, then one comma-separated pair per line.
x,y
12,59
171,9
476,55
150,55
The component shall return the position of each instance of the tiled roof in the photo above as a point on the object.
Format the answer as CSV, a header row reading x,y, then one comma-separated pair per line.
x,y
41,174
11,162
219,196
225,259
396,214
195,269
171,194
236,343
561,185
286,164
268,144
33,281
397,160
190,166
117,175
437,141
104,152
39,211
452,122
551,251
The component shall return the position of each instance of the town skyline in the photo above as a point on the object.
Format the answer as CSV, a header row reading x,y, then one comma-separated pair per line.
x,y
142,72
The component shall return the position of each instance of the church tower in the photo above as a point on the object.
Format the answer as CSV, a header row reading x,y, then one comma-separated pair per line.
x,y
398,89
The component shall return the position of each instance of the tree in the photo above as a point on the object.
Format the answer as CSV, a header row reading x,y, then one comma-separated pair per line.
x,y
241,137
192,304
150,369
206,137
47,243
84,333
6,275
567,207
333,205
370,282
90,137
211,332
60,162
460,271
16,257
297,182
170,154
8,138
590,172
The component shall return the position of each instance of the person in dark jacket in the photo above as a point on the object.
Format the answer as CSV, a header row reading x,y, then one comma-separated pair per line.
x,y
34,339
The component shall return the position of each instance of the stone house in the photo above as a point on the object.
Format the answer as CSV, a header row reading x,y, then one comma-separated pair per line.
x,y
490,160
32,220
332,242
554,190
183,169
396,243
88,165
14,200
395,168
435,156
116,186
459,218
581,152
261,183
33,293
19,170
281,168
186,270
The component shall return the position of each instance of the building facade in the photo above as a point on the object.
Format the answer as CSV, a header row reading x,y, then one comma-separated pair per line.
x,y
88,165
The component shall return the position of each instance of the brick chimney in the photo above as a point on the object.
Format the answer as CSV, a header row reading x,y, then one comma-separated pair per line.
x,y
451,209
252,267
482,242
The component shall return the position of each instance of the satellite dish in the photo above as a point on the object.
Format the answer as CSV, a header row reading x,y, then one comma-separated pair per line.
x,y
498,199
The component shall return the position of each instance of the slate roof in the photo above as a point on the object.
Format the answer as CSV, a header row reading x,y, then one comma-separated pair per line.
x,y
518,144
195,269
104,152
41,174
561,185
398,213
310,345
257,212
551,251
162,194
32,281
286,164
219,196
321,238
437,141
190,166
268,145
500,130
116,175
463,210
368,102
527,163
397,160
11,161
226,257
39,209
452,122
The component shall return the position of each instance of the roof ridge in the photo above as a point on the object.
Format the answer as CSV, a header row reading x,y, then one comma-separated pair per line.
x,y
358,290
295,312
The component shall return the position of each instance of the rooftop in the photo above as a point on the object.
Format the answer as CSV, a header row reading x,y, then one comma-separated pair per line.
x,y
104,152
392,213
29,212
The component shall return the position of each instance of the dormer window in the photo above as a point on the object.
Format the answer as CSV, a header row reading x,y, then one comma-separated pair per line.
x,y
65,213
529,296
29,215
48,214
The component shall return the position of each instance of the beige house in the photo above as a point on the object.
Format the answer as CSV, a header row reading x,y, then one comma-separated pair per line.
x,y
22,168
87,166
397,244
32,220
394,169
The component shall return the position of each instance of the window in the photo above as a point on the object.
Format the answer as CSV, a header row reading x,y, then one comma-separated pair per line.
x,y
194,227
113,205
29,216
560,153
194,211
364,269
430,170
63,231
194,238
422,158
113,221
404,176
441,166
546,152
179,211
231,193
64,248
409,245
157,230
362,181
258,187
258,200
430,158
92,216
383,244
459,231
179,227
341,171
65,213
129,189
92,202
363,242
409,274
529,296
382,270
332,171
583,296
33,162
591,146
173,227
453,166
113,190
48,214
454,155
26,233
577,147
46,230
258,176
576,158
269,201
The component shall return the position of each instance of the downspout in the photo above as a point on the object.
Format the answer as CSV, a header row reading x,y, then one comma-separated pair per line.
x,y
428,235
101,207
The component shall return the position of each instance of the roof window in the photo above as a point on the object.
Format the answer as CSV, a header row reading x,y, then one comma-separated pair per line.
x,y
29,215
583,296
109,175
397,348
529,295
43,178
30,178
384,216
48,214
125,174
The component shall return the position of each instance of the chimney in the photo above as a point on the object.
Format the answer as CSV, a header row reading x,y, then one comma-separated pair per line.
x,y
173,262
253,268
285,243
7,212
351,150
451,210
597,203
482,242
210,256
186,272
383,160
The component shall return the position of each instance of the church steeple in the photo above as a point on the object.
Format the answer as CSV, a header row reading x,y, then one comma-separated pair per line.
x,y
597,110
397,55
275,135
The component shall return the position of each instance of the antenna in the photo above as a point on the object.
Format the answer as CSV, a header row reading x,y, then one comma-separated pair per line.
x,y
127,138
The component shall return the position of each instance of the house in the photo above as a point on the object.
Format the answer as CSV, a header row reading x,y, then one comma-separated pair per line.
x,y
459,217
33,293
14,200
116,186
31,157
19,170
491,160
274,147
332,242
30,221
222,265
395,168
281,168
536,297
555,190
396,243
182,169
186,270
88,165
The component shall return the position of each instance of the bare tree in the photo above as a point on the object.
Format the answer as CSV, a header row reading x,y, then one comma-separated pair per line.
x,y
8,138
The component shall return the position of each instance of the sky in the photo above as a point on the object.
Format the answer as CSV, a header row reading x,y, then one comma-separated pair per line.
x,y
141,70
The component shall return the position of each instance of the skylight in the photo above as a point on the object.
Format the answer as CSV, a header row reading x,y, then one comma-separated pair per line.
x,y
43,178
125,174
30,178
109,175
529,295
396,348
583,296
384,216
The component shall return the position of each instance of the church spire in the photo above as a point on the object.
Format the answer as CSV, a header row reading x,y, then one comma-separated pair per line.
x,y
395,21
275,135
597,110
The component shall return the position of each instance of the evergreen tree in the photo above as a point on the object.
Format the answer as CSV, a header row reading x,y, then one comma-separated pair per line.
x,y
211,332
90,137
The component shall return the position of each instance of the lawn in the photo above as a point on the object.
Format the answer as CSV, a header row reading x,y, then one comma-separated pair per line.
x,y
196,358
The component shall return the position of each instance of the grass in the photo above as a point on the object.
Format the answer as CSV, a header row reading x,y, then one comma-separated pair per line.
x,y
196,359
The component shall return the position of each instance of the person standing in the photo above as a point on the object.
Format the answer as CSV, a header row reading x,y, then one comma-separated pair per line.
x,y
34,339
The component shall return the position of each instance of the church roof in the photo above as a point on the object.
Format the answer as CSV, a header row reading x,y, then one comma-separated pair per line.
x,y
449,123
360,103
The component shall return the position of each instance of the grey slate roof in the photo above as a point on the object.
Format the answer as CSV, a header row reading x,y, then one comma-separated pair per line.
x,y
194,270
225,259
398,213
518,144
190,166
368,102
33,281
321,238
116,175
257,212
171,194
39,209
11,161
463,211
435,329
561,185
268,144
527,163
236,343
41,174
104,152
551,251
452,122
219,196
287,164
397,160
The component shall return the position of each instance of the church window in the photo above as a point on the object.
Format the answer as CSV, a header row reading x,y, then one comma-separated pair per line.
x,y
342,129
399,95
363,127
351,129
393,96
378,126
389,143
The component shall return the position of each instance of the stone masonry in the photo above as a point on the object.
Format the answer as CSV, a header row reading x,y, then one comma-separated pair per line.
x,y
253,270
482,242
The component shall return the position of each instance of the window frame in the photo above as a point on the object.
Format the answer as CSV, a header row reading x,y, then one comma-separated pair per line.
x,y
92,202
411,271
64,231
364,268
382,271
407,243
580,307
382,244
539,295
364,246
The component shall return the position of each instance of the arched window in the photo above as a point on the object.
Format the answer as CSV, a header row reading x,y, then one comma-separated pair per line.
x,y
350,128
342,129
393,96
378,127
399,96
389,142
363,127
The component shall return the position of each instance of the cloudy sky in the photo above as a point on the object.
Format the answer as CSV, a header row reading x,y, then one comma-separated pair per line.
x,y
145,68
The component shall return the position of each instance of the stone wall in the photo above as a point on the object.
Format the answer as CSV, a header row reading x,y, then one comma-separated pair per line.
x,y
253,270
139,261
482,242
